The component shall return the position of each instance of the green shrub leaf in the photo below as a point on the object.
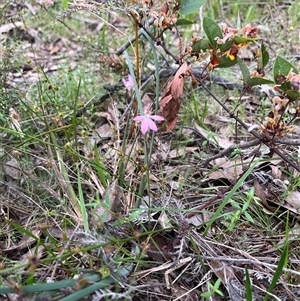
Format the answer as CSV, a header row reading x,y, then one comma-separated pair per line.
x,y
264,56
227,45
190,6
212,31
202,44
226,62
183,22
241,40
257,81
244,70
282,68
293,95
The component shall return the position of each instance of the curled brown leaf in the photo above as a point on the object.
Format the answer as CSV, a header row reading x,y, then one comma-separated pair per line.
x,y
170,101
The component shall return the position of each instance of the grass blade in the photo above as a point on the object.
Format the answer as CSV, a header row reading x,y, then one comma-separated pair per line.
x,y
278,270
248,286
230,194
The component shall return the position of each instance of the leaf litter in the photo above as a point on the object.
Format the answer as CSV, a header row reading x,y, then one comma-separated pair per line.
x,y
181,187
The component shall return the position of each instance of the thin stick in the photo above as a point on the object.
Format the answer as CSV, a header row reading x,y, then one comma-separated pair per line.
x,y
131,40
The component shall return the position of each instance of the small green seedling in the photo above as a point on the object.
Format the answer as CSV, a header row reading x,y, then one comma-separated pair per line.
x,y
214,289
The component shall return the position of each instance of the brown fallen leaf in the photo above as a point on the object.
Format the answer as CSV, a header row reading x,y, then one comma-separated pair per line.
x,y
273,203
259,191
178,81
170,101
230,170
292,203
57,46
13,169
111,205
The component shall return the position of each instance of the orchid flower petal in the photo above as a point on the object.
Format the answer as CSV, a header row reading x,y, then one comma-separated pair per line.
x,y
151,124
147,122
144,126
129,84
138,118
130,81
157,118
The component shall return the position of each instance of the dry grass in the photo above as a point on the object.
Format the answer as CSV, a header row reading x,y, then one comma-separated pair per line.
x,y
78,197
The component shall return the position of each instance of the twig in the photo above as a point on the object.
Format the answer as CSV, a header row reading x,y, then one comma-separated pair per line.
x,y
249,261
230,149
131,40
263,138
226,151
287,141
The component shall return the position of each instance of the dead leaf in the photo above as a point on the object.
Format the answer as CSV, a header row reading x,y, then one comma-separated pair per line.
x,y
5,28
58,45
196,220
259,191
276,172
25,242
178,81
230,170
111,204
292,203
169,107
155,246
170,101
269,203
114,114
104,131
221,142
13,169
176,153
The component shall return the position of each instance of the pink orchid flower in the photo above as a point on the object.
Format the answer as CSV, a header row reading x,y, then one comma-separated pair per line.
x,y
147,120
129,84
